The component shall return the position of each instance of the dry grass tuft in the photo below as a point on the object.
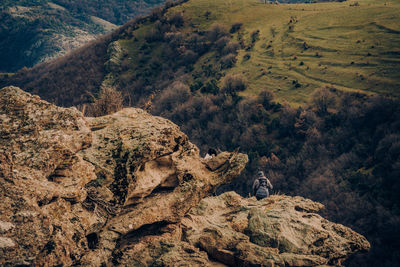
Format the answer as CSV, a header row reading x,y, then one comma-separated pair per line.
x,y
109,101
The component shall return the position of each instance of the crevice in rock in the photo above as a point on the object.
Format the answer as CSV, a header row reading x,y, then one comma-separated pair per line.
x,y
49,247
187,177
55,175
162,155
72,201
134,236
92,240
300,209
46,201
179,142
128,208
161,189
98,127
68,159
229,261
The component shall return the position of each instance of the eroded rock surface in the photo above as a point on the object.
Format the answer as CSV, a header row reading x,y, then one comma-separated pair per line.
x,y
73,187
277,231
130,189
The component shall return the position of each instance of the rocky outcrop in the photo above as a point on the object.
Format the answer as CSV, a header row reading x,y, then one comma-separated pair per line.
x,y
235,231
278,231
74,187
130,189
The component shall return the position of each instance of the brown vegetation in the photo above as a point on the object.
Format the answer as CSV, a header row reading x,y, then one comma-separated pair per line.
x,y
108,102
233,84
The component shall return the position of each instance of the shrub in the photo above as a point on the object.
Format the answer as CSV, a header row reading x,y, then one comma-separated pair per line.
x,y
156,13
235,27
246,57
233,84
153,35
211,87
323,98
216,31
196,85
221,43
255,35
109,101
189,57
174,39
177,19
265,98
228,61
197,43
296,84
231,48
177,93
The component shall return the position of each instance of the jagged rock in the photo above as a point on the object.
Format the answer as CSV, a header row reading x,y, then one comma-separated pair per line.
x,y
277,231
75,187
130,189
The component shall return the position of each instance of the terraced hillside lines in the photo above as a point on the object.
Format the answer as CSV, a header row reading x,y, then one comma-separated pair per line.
x,y
305,46
291,49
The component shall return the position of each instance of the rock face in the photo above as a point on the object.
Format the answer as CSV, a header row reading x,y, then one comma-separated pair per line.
x,y
277,231
130,189
73,187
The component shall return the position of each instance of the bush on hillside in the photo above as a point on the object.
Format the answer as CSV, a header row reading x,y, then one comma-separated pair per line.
x,y
177,19
233,83
231,48
216,31
228,61
222,42
210,87
323,99
176,94
265,98
235,27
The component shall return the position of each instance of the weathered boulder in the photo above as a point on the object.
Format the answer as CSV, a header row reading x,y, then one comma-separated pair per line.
x,y
130,189
41,179
277,231
235,231
73,188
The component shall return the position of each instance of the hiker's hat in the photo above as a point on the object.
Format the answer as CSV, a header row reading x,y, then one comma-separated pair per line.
x,y
260,173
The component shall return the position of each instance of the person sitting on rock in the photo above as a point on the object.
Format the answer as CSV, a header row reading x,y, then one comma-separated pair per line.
x,y
211,153
261,185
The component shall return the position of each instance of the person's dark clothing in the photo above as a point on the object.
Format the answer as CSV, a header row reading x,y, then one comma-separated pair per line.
x,y
260,187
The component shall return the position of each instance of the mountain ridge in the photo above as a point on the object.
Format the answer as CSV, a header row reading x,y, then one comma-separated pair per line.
x,y
286,53
34,32
334,145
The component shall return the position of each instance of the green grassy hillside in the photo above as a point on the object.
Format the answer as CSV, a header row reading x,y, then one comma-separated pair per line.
x,y
35,31
300,47
246,74
289,49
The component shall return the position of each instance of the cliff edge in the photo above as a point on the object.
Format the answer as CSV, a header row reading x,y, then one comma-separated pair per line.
x,y
130,189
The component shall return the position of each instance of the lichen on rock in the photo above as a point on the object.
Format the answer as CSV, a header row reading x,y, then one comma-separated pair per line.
x,y
131,189
280,229
74,186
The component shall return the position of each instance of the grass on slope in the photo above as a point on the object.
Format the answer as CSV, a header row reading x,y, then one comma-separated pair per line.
x,y
353,46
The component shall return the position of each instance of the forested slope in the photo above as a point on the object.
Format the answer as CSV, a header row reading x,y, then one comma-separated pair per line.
x,y
308,91
34,31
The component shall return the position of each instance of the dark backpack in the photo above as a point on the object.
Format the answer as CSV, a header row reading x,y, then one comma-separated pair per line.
x,y
262,190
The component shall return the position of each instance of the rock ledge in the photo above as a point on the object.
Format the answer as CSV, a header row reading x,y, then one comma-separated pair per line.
x,y
130,189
